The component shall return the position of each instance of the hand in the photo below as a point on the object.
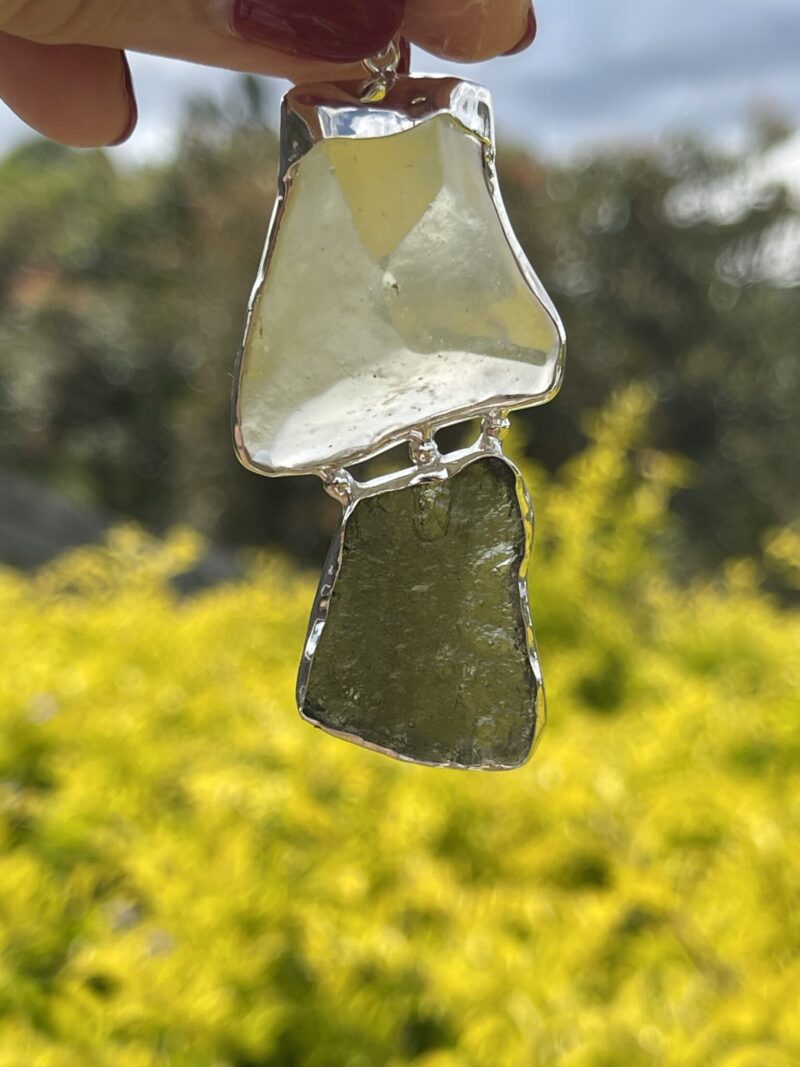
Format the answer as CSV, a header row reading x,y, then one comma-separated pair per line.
x,y
63,68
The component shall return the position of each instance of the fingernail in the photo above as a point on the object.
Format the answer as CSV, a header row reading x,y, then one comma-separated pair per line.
x,y
133,110
338,30
527,37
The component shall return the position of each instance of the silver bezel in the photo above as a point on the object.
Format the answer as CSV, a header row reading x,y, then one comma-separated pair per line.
x,y
440,467
313,113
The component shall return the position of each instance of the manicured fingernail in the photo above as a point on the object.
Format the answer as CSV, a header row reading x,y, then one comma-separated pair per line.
x,y
338,30
133,110
527,37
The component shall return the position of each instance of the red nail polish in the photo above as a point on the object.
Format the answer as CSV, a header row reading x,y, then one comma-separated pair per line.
x,y
337,30
527,37
133,112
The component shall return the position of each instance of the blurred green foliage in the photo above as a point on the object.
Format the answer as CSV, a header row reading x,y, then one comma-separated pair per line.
x,y
122,298
191,877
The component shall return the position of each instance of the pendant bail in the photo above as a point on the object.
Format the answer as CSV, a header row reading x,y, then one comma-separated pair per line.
x,y
382,69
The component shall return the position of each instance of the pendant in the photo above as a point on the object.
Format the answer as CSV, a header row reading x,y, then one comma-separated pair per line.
x,y
393,300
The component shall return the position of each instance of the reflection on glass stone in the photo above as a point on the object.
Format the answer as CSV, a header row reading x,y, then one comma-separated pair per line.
x,y
392,299
425,652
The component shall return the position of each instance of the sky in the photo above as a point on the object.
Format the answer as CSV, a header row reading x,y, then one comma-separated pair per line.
x,y
599,71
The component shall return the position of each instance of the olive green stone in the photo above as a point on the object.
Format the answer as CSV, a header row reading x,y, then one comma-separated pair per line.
x,y
425,652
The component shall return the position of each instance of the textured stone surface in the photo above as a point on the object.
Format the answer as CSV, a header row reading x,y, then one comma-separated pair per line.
x,y
392,297
424,653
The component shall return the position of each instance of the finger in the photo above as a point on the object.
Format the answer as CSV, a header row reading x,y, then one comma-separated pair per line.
x,y
257,36
77,94
340,30
471,31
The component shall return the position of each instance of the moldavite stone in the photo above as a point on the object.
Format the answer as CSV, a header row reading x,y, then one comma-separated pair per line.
x,y
392,297
425,651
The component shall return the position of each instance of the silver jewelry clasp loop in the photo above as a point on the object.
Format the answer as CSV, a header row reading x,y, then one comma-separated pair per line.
x,y
383,71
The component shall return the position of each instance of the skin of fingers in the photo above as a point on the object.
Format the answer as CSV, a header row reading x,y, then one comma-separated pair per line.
x,y
195,30
200,31
76,94
468,30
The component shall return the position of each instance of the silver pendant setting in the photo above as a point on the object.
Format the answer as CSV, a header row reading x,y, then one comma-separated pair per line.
x,y
393,300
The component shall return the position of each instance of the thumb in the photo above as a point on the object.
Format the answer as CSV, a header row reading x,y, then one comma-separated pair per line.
x,y
77,94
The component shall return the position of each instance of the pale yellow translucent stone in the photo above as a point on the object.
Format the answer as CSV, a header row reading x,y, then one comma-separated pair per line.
x,y
392,298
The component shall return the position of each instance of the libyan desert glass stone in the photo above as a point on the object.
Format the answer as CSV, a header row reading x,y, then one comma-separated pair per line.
x,y
425,653
393,295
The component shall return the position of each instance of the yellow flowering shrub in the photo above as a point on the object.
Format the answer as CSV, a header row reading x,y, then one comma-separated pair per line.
x,y
191,876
